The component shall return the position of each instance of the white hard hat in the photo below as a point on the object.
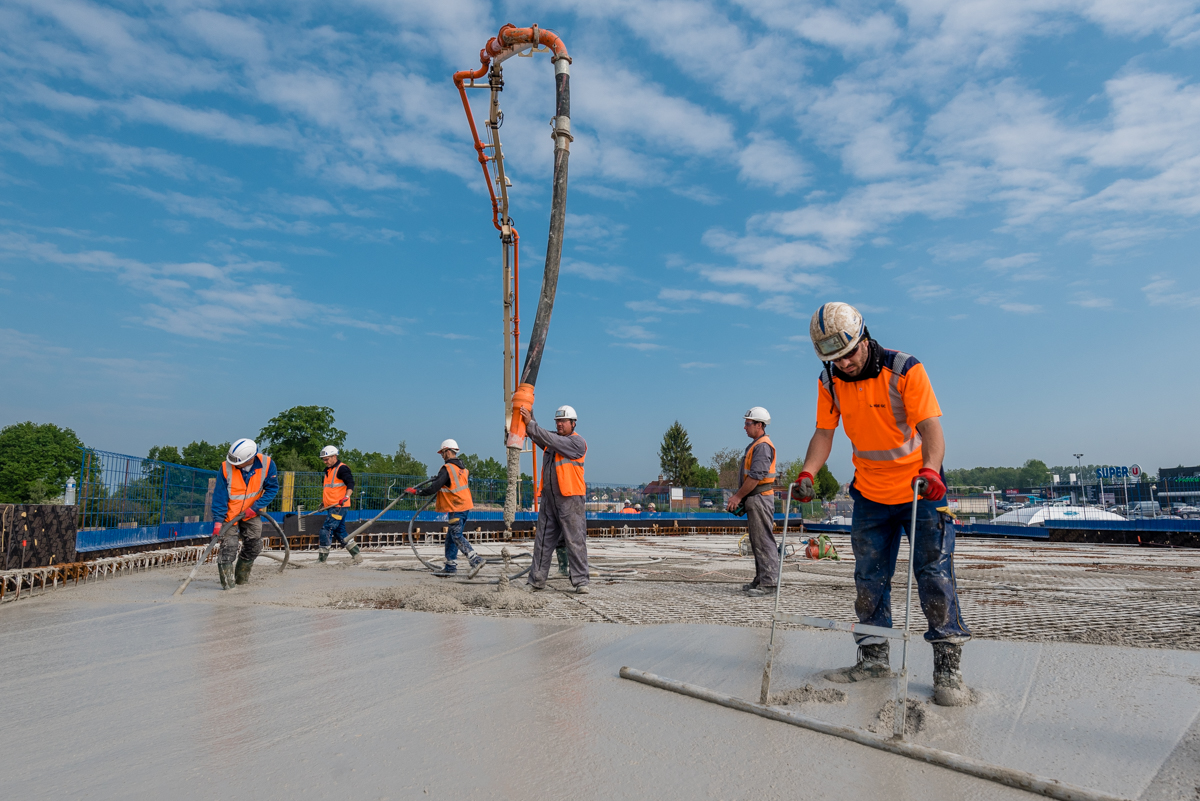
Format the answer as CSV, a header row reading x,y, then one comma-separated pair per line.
x,y
565,413
448,443
242,451
759,415
637,506
328,450
835,330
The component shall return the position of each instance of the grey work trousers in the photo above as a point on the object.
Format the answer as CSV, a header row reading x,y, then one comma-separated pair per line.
x,y
246,534
760,520
560,521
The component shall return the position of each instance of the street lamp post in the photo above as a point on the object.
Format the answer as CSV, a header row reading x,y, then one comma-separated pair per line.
x,y
1082,491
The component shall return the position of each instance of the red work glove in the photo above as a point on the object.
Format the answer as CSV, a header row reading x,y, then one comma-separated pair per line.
x,y
345,502
216,529
411,490
803,491
935,490
249,514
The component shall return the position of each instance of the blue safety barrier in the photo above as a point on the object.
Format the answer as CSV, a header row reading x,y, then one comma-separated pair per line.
x,y
1153,524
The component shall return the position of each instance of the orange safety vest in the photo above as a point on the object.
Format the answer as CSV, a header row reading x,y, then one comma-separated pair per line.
x,y
629,510
334,491
457,496
770,479
243,493
569,474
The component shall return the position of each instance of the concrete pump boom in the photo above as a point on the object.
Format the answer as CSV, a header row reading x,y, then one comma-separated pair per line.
x,y
508,42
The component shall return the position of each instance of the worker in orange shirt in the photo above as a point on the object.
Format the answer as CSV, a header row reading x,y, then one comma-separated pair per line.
x,y
562,519
886,403
336,490
454,500
245,487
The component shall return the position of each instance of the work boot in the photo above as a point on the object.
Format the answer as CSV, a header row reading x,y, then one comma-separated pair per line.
x,y
353,549
760,592
527,587
449,569
476,562
751,586
582,589
872,664
564,567
948,687
241,571
322,555
225,571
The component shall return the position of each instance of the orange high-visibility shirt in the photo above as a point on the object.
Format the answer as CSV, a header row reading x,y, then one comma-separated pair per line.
x,y
457,496
333,492
568,474
880,416
244,492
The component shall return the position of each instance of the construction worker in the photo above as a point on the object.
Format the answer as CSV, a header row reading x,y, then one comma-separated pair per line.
x,y
629,510
246,486
756,477
454,499
561,519
335,496
885,400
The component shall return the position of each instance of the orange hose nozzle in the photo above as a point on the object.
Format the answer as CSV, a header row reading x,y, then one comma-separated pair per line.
x,y
522,399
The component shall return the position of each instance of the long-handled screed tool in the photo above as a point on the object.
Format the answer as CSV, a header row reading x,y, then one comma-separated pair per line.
x,y
212,543
896,744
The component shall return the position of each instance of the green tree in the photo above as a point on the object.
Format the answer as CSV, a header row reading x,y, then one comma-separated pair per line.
x,y
204,456
36,460
402,463
726,462
705,477
825,484
295,437
165,453
487,468
675,456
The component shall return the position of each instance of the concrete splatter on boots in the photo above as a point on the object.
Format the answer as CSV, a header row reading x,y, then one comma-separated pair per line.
x,y
564,567
241,571
948,686
322,554
353,549
476,562
872,664
227,577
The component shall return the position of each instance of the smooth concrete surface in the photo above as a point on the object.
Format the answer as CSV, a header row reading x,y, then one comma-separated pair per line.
x,y
119,692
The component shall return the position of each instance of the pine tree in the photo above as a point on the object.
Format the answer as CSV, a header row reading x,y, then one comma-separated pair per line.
x,y
675,456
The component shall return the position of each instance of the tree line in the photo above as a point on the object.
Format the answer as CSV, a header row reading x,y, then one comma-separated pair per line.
x,y
681,467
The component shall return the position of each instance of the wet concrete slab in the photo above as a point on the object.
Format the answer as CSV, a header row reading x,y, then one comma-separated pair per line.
x,y
116,691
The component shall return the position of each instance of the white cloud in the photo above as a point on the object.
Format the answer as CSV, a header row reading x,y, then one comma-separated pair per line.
x,y
594,272
723,298
1161,291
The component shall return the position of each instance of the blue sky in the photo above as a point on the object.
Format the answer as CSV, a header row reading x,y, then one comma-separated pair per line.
x,y
210,212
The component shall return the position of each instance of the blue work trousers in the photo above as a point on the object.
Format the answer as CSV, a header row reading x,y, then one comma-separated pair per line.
x,y
875,538
455,541
334,527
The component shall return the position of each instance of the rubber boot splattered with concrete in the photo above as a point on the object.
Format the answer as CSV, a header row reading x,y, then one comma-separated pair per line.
x,y
450,568
873,663
353,549
225,571
564,567
948,686
241,570
476,562
322,555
